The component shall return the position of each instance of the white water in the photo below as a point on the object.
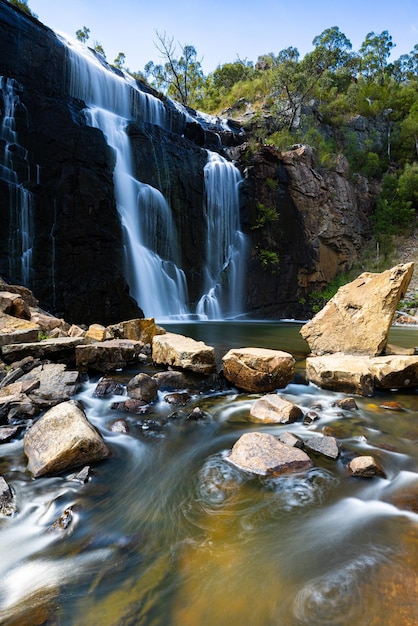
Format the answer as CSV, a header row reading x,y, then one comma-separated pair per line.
x,y
21,233
225,244
152,260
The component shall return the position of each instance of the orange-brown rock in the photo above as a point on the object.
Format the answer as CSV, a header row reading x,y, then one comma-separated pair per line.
x,y
358,318
258,369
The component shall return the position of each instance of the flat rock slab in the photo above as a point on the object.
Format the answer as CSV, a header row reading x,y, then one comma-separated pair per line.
x,y
107,356
361,375
16,330
61,349
358,318
183,352
264,454
258,369
61,439
273,409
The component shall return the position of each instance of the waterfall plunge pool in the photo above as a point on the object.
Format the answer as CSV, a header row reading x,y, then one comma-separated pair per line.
x,y
167,532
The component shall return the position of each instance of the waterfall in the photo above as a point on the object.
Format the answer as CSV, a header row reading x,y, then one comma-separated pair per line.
x,y
152,269
152,252
225,243
15,173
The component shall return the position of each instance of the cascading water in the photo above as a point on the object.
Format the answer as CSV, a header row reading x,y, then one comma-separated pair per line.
x,y
150,238
225,243
152,258
15,173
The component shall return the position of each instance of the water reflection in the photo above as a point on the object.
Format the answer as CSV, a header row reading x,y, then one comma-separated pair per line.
x,y
167,532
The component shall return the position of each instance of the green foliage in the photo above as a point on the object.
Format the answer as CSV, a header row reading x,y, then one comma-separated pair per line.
x,y
180,77
119,61
83,34
319,298
268,259
397,202
265,215
99,49
23,6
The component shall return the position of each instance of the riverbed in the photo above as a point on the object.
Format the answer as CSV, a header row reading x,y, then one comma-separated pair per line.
x,y
167,532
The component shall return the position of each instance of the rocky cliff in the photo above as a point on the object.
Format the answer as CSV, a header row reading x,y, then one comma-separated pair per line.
x,y
302,226
305,224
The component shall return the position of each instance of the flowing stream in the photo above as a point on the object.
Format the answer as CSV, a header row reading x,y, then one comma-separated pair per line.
x,y
166,532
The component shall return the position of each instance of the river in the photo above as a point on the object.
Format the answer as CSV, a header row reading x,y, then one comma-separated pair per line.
x,y
167,532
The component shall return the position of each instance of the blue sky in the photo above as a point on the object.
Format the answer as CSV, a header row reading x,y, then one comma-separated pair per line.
x,y
222,30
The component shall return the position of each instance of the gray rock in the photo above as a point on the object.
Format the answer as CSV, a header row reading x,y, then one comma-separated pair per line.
x,y
7,499
62,439
289,439
262,453
325,446
61,349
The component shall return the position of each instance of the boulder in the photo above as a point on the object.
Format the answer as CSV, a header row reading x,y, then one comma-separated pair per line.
x,y
262,453
361,375
106,356
142,387
13,304
96,332
53,384
62,439
183,352
341,372
365,467
272,409
138,330
395,372
358,318
290,439
258,369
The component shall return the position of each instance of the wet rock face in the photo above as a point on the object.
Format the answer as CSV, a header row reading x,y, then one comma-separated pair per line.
x,y
77,244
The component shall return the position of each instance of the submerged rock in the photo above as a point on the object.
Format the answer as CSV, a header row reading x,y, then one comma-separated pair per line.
x,y
357,319
258,369
262,453
62,439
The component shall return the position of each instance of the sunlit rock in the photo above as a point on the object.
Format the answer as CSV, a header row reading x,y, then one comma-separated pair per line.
x,y
142,387
183,352
96,332
272,408
258,369
138,330
106,356
62,439
15,330
13,304
262,453
365,467
341,372
290,439
361,375
358,318
395,372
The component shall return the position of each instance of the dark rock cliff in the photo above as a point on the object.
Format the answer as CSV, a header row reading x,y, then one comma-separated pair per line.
x,y
303,226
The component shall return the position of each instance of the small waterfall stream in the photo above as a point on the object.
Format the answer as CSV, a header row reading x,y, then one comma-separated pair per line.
x,y
152,244
15,172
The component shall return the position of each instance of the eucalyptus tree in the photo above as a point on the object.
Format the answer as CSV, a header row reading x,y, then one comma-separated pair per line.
x,y
83,34
374,54
180,75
